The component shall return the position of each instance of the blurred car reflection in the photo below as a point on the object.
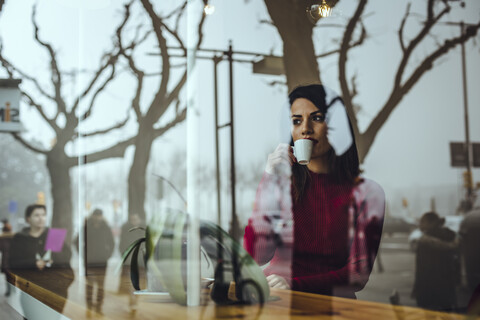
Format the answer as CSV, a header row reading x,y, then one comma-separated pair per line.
x,y
394,225
451,222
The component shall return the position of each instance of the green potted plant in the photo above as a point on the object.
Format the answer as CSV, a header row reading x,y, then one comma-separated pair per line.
x,y
165,244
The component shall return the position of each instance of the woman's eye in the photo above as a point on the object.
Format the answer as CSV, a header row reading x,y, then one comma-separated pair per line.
x,y
295,121
319,118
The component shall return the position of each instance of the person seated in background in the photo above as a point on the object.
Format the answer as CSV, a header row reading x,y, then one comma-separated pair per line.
x,y
314,234
437,265
31,260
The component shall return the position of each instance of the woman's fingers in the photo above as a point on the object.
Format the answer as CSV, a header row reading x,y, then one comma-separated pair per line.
x,y
282,156
275,281
291,155
272,280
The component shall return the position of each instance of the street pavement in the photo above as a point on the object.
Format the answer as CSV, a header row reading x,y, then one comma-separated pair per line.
x,y
398,274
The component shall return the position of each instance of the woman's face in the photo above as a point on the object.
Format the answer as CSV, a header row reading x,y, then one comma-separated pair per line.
x,y
38,218
309,123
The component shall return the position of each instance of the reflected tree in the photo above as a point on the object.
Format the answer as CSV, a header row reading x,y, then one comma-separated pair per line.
x,y
63,115
153,116
301,65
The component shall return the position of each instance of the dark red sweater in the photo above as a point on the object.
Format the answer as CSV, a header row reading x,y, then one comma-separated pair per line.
x,y
334,239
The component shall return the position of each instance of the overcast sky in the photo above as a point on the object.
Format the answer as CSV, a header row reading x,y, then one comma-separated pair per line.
x,y
410,152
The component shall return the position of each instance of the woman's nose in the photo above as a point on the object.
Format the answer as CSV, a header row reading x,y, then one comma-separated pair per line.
x,y
306,128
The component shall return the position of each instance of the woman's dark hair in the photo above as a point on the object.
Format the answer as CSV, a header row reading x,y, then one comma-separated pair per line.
x,y
33,207
344,168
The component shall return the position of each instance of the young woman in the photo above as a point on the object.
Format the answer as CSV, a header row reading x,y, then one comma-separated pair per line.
x,y
322,234
29,259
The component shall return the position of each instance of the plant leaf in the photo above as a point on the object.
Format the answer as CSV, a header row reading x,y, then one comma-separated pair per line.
x,y
134,274
127,252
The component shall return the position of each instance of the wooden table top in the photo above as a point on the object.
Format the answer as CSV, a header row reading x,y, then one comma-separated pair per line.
x,y
289,305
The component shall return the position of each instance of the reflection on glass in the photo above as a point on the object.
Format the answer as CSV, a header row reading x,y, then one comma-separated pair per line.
x,y
132,230
98,247
318,225
223,262
470,249
40,254
437,265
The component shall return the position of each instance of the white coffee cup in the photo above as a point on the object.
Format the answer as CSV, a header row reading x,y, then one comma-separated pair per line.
x,y
302,150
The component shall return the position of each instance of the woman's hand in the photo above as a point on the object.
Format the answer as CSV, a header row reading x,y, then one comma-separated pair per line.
x,y
279,159
275,281
41,264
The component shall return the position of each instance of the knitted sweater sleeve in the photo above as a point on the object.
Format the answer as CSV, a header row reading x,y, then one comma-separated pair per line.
x,y
271,212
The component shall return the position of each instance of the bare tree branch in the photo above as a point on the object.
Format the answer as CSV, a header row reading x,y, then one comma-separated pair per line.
x,y
353,84
357,43
267,22
175,92
430,13
402,26
39,108
174,33
177,11
179,118
162,43
398,92
139,74
28,145
436,39
161,102
115,151
342,61
116,126
431,20
179,16
102,87
10,68
110,61
56,75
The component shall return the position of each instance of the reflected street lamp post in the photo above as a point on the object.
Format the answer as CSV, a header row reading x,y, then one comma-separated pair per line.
x,y
467,203
267,64
469,193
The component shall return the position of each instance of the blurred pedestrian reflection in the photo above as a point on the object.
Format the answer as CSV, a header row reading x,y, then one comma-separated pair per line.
x,y
39,255
5,240
322,234
470,248
98,247
437,267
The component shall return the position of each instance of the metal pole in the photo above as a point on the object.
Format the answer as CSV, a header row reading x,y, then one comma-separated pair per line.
x,y
234,222
467,129
216,60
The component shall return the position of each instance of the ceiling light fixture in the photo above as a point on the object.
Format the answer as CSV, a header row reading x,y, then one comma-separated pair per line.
x,y
318,11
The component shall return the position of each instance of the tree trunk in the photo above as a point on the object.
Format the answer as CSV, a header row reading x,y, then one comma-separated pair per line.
x,y
59,171
295,29
136,176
